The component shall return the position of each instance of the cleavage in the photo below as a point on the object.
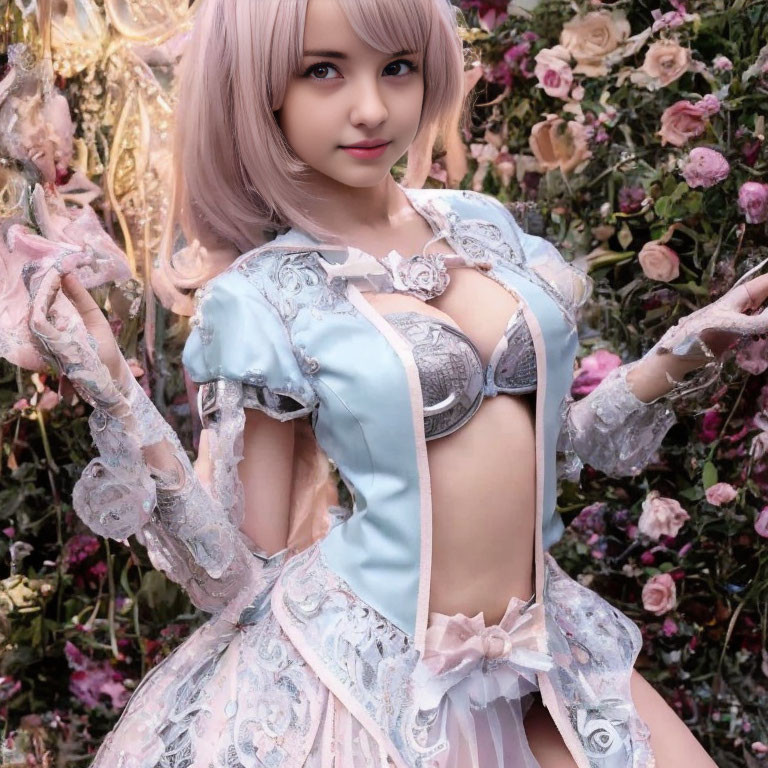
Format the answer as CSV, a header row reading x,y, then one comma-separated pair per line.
x,y
456,308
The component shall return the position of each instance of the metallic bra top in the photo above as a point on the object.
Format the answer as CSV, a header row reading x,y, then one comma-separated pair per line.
x,y
451,373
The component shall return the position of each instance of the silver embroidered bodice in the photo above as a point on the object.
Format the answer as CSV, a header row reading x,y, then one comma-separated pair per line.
x,y
453,379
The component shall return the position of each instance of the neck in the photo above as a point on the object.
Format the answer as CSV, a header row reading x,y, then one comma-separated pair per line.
x,y
343,210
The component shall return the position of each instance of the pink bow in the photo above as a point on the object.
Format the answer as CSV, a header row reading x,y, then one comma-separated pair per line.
x,y
457,640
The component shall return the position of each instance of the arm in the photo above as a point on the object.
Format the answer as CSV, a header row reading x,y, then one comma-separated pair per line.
x,y
620,425
190,518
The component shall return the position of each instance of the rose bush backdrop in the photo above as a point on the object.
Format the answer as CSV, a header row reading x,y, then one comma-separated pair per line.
x,y
633,136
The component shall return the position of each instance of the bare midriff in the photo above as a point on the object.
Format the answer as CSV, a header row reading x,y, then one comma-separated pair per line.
x,y
483,475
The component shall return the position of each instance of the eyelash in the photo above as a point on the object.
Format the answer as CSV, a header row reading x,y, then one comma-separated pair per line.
x,y
411,69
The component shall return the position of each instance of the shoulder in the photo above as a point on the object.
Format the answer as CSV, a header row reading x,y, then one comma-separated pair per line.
x,y
541,256
465,202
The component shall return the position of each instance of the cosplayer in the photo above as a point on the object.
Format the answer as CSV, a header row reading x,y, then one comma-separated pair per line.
x,y
423,345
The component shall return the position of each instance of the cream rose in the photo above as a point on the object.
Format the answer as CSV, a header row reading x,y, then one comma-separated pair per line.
x,y
661,516
666,61
659,262
592,37
659,594
557,144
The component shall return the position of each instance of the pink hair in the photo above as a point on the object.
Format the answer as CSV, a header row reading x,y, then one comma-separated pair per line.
x,y
236,179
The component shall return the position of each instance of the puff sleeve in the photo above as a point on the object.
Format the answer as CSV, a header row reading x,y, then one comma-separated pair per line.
x,y
237,335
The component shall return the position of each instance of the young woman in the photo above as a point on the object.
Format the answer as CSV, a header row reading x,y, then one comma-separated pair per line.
x,y
425,345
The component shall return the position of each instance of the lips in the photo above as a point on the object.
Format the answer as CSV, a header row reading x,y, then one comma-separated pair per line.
x,y
370,144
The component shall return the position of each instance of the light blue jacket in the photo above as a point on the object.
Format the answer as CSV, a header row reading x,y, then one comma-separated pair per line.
x,y
303,341
275,320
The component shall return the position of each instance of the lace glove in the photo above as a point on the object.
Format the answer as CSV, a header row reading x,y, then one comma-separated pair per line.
x,y
617,433
190,529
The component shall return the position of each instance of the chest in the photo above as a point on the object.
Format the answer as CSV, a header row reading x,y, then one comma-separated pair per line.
x,y
474,303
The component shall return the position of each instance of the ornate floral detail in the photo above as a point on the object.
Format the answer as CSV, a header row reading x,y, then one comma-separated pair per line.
x,y
424,275
234,695
595,646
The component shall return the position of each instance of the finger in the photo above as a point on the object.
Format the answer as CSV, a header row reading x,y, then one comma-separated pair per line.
x,y
753,324
71,261
44,298
79,296
758,290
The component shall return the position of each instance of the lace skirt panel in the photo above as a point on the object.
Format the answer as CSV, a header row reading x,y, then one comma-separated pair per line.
x,y
241,695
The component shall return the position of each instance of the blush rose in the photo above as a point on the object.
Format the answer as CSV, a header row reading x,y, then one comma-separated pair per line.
x,y
666,61
659,594
720,493
659,262
661,516
553,71
559,144
684,120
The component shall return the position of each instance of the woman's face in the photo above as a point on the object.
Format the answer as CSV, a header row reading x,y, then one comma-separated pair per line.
x,y
347,92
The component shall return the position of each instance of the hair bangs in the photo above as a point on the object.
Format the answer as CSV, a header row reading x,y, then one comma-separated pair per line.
x,y
389,25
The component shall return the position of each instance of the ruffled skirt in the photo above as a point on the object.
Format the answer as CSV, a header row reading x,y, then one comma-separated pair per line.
x,y
241,694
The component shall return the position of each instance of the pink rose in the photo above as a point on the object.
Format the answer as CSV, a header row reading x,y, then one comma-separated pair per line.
x,y
594,368
683,120
666,61
659,594
705,168
720,493
753,357
661,516
753,201
761,524
722,64
557,144
659,262
554,72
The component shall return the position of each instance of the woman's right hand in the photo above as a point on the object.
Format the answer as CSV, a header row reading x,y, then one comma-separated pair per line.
x,y
74,331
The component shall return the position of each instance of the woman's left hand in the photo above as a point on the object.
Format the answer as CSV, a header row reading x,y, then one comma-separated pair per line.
x,y
739,300
720,323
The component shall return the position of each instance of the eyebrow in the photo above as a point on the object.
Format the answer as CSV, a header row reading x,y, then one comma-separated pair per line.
x,y
343,56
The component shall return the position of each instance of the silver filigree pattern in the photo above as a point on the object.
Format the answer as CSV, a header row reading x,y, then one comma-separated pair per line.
x,y
451,372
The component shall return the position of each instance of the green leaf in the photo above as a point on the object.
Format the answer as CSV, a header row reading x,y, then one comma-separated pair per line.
x,y
709,475
679,192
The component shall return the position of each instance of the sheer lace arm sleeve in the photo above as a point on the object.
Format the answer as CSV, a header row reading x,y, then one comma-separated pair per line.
x,y
191,514
611,429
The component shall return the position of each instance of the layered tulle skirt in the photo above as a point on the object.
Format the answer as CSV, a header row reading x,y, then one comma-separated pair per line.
x,y
241,694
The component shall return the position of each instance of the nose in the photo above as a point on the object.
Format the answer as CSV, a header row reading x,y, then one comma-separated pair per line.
x,y
369,107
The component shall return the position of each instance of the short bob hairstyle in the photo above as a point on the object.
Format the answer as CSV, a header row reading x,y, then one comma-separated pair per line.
x,y
236,180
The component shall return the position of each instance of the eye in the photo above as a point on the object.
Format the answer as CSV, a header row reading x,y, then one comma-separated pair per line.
x,y
411,67
321,67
